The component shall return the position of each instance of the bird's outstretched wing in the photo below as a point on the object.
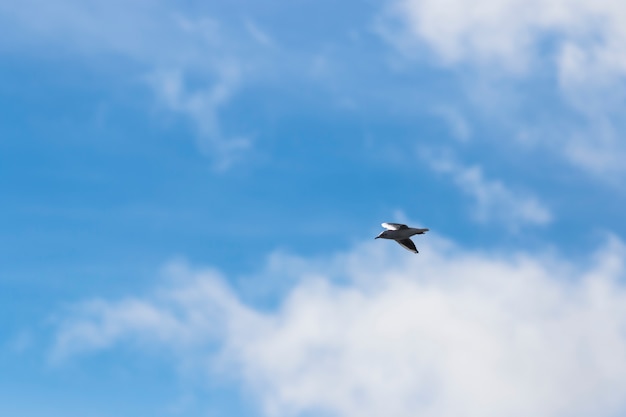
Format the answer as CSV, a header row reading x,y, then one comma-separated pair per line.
x,y
408,245
394,226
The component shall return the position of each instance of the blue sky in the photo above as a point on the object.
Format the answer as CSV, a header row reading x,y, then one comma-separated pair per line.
x,y
190,193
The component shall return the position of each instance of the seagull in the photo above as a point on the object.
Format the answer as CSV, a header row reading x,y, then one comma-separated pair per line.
x,y
401,233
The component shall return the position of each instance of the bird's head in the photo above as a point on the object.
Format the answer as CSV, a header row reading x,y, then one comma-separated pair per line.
x,y
382,234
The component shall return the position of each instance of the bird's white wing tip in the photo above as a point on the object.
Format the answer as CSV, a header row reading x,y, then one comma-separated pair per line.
x,y
393,226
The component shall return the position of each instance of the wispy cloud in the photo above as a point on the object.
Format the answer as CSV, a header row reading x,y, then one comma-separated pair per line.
x,y
202,106
471,334
165,43
458,124
492,199
180,317
259,35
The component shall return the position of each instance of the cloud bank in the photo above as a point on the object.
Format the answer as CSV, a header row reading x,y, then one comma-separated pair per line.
x,y
376,331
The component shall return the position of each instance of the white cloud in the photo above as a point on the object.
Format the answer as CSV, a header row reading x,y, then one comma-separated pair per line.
x,y
493,200
450,332
589,37
579,44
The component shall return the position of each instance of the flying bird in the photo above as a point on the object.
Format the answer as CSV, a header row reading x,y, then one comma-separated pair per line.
x,y
401,233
